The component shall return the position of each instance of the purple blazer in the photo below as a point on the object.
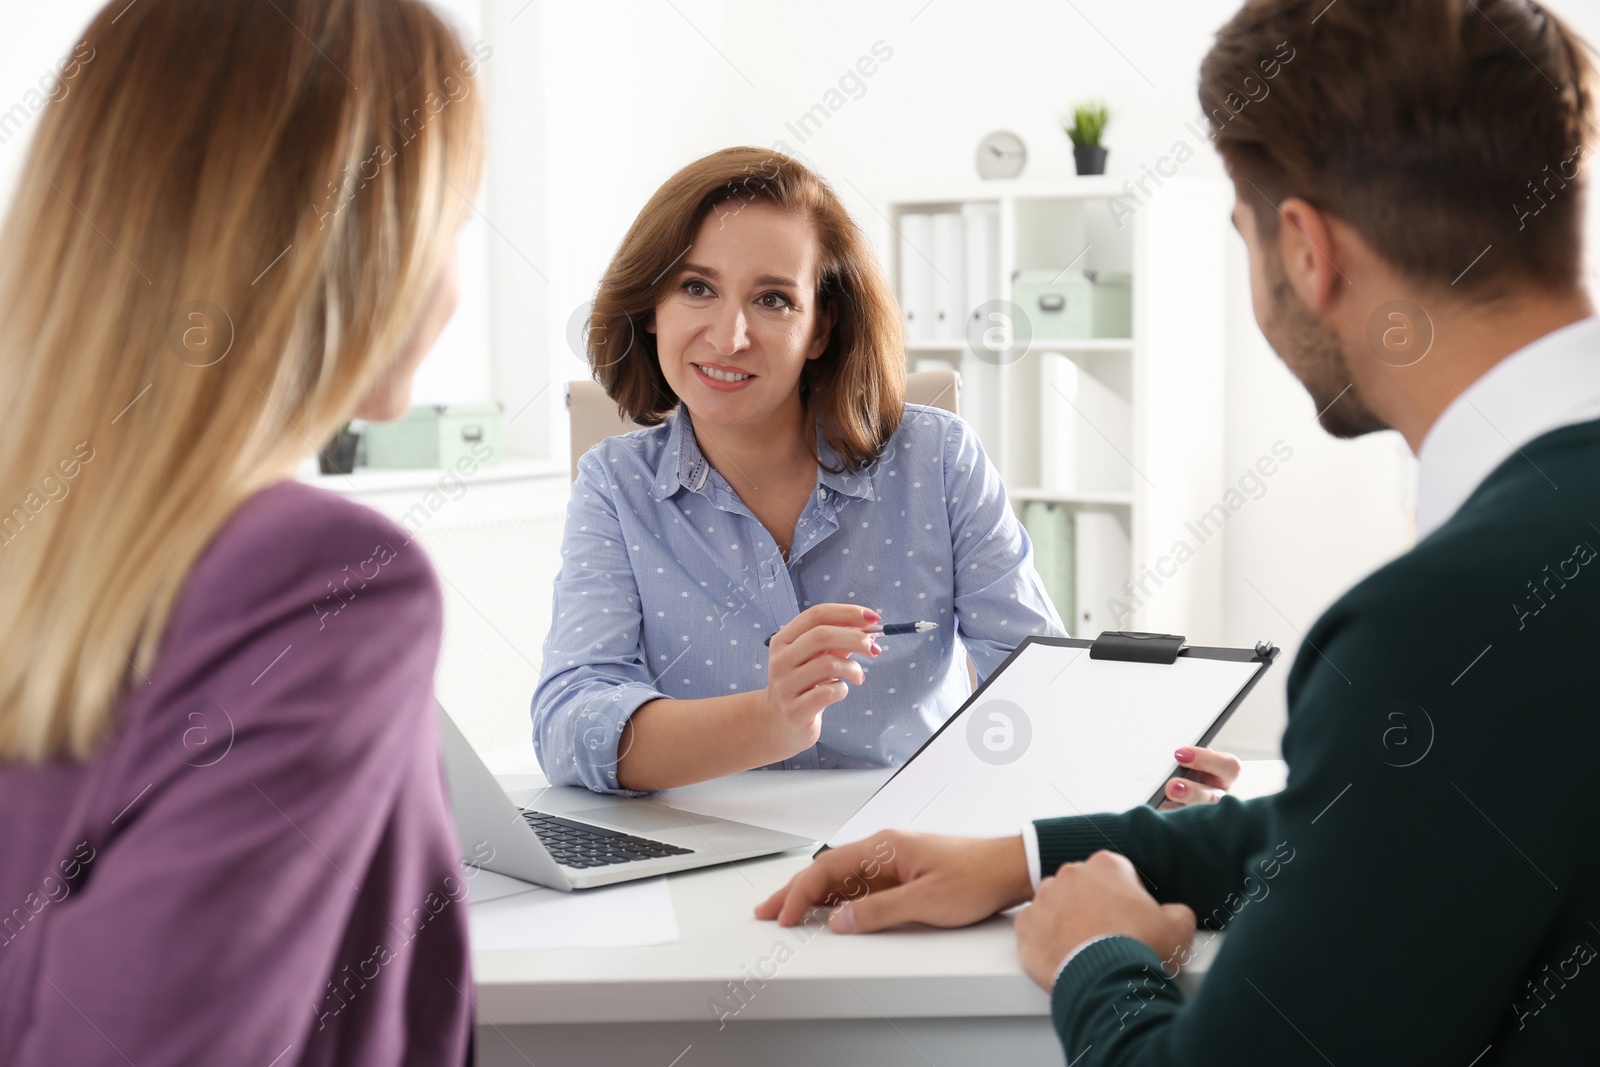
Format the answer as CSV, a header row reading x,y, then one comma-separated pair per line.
x,y
259,865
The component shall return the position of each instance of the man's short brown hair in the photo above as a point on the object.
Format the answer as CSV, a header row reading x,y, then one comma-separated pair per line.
x,y
1438,129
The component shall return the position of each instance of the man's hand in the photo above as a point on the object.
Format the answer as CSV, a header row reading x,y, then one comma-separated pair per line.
x,y
896,877
1101,895
1211,774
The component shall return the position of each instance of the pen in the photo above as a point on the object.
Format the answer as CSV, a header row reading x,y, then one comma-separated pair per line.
x,y
888,629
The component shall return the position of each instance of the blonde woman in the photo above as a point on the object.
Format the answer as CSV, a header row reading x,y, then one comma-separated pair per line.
x,y
225,836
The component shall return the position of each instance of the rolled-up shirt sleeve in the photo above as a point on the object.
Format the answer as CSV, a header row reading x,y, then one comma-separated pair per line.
x,y
999,596
594,674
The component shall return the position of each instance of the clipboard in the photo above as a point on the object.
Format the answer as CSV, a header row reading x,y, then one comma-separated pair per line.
x,y
1065,726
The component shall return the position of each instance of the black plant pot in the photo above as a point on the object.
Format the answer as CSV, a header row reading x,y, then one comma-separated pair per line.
x,y
1091,158
339,455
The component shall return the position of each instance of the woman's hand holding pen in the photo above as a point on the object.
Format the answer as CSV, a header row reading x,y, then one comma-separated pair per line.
x,y
808,668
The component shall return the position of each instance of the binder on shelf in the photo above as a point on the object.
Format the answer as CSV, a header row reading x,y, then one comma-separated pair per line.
x,y
980,400
980,225
917,297
1085,430
1102,555
1135,647
1058,422
1049,526
1060,730
949,283
980,377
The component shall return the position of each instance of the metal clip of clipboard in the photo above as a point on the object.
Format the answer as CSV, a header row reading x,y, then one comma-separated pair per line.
x,y
1135,647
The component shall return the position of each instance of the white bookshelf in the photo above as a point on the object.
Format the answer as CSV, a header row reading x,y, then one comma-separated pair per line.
x,y
1168,470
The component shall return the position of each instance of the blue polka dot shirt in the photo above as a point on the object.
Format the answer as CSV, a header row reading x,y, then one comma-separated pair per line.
x,y
669,585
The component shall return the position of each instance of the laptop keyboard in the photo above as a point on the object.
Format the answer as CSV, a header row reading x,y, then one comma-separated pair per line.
x,y
576,844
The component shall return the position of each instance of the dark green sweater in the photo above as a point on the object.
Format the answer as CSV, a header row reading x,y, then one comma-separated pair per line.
x,y
1424,890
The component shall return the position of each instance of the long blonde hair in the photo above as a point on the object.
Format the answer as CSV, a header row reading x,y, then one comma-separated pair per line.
x,y
231,215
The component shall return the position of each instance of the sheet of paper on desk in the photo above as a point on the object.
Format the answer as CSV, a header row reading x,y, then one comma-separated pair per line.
x,y
1056,733
507,913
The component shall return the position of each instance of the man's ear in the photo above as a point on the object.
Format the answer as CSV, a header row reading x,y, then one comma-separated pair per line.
x,y
827,318
1308,251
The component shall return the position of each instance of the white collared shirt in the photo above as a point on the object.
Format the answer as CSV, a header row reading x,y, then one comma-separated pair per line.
x,y
1542,386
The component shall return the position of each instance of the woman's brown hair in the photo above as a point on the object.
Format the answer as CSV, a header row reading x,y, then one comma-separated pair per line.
x,y
218,243
857,386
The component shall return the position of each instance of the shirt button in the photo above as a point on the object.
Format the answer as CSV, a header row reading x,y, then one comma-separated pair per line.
x,y
822,494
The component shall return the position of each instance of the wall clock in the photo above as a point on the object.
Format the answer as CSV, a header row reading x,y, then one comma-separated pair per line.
x,y
1001,155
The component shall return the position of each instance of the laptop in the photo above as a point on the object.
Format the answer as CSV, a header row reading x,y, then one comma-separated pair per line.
x,y
574,838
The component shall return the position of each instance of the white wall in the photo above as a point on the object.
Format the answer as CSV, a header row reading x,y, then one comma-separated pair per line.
x,y
516,199
634,91
458,367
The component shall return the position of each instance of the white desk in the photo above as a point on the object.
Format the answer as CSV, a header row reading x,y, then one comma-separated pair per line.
x,y
913,996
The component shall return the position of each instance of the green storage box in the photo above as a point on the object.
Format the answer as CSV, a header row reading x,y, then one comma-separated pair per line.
x,y
1051,529
1075,304
436,435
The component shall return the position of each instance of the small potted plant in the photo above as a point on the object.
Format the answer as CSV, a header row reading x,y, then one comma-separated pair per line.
x,y
338,456
1087,125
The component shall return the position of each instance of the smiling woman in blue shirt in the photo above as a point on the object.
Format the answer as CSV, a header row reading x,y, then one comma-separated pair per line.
x,y
783,488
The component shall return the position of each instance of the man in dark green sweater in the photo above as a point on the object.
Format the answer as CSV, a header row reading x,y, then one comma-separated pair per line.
x,y
1422,891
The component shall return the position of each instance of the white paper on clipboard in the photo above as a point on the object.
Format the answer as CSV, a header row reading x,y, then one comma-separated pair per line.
x,y
1055,733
